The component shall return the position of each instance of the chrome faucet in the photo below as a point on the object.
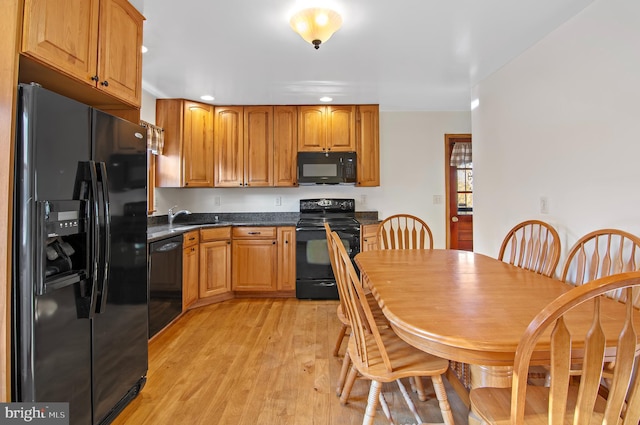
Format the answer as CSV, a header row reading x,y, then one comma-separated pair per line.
x,y
173,215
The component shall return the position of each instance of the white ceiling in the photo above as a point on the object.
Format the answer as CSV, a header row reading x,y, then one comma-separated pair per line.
x,y
402,54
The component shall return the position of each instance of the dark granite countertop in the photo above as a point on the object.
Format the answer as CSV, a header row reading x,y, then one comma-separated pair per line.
x,y
158,228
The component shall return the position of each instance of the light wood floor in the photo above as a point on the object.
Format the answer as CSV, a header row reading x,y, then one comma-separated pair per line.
x,y
259,361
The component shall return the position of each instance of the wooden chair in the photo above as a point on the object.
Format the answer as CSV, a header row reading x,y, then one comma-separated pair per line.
x,y
341,308
404,231
563,403
532,245
377,353
602,253
344,389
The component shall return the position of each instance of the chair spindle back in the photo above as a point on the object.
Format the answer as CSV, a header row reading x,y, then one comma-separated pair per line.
x,y
532,245
624,395
404,231
602,253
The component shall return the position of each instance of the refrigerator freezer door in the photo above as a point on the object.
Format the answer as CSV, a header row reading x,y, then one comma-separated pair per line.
x,y
52,339
63,357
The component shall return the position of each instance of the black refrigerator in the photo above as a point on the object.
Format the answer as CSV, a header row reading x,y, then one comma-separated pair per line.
x,y
80,293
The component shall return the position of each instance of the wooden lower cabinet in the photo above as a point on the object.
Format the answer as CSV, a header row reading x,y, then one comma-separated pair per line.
x,y
255,254
257,261
286,259
264,259
215,261
369,237
190,268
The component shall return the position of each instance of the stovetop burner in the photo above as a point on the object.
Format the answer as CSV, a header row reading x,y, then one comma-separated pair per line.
x,y
336,212
319,221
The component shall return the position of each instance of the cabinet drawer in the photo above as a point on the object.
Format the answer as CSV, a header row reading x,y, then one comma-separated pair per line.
x,y
215,233
257,232
190,239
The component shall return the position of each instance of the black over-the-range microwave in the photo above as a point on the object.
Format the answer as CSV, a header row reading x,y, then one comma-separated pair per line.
x,y
326,168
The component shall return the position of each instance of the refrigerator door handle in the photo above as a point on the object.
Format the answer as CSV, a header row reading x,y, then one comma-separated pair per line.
x,y
95,237
106,241
42,210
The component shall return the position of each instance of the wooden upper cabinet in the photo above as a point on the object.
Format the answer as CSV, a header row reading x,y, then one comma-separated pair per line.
x,y
258,146
120,50
312,131
326,128
229,146
96,42
368,145
63,34
187,157
285,139
341,128
244,146
198,145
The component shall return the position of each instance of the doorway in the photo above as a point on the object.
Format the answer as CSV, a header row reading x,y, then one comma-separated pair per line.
x,y
459,191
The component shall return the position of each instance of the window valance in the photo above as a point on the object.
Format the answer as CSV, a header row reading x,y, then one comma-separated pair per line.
x,y
155,138
461,155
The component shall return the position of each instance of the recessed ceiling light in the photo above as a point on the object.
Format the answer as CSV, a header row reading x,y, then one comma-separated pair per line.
x,y
207,97
144,49
326,99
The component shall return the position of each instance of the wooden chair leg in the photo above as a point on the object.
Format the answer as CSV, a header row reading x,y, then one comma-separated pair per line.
x,y
441,395
385,408
372,403
417,381
348,385
343,373
343,331
408,400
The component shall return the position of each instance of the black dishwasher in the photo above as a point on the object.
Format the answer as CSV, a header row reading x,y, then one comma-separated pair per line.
x,y
165,282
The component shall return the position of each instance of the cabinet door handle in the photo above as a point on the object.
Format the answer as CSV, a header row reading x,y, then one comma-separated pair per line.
x,y
192,238
254,233
105,83
273,243
95,78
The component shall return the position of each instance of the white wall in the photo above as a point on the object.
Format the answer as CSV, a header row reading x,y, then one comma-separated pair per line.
x,y
411,168
562,121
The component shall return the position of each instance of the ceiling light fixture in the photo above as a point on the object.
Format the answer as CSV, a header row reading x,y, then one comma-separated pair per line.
x,y
326,99
207,97
316,25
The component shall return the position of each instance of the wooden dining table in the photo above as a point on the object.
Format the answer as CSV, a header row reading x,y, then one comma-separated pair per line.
x,y
470,308
465,306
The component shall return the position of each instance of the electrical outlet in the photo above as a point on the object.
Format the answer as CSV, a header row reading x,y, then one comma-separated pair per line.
x,y
363,199
216,201
544,205
437,199
278,201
